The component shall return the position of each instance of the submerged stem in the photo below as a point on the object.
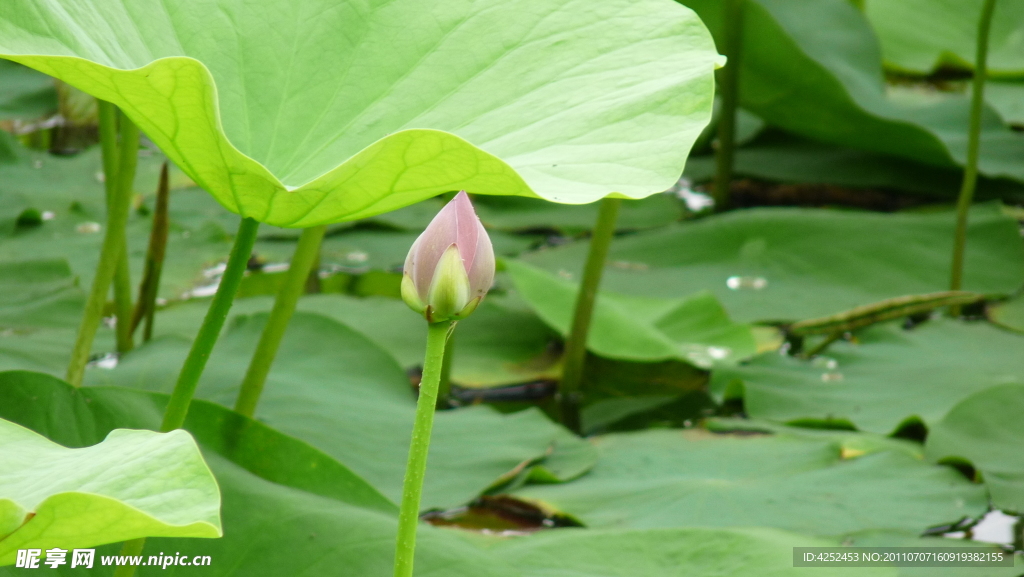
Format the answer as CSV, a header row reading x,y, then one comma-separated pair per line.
x,y
412,488
576,344
277,323
973,144
155,252
119,200
730,88
177,407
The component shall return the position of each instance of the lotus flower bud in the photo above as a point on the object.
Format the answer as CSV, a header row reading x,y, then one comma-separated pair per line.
x,y
450,267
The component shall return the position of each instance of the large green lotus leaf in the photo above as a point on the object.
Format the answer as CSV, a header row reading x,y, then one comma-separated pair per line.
x,y
25,93
335,389
920,36
133,484
695,330
663,552
694,478
299,114
889,376
986,429
813,67
319,524
810,262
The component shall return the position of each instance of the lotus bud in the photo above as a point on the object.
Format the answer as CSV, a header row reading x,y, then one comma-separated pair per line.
x,y
450,267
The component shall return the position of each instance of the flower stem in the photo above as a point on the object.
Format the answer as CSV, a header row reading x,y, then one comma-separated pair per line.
x,y
284,307
576,344
155,252
973,144
408,517
177,407
444,387
119,200
733,44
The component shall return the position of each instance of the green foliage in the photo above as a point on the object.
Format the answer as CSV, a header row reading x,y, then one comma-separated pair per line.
x,y
921,36
812,263
331,386
699,479
696,330
25,93
813,67
887,376
329,118
986,429
132,484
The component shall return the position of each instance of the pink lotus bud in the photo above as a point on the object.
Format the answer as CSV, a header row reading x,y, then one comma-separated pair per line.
x,y
450,267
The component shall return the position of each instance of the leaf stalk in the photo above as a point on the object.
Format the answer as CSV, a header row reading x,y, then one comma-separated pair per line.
x,y
199,354
570,388
287,298
119,193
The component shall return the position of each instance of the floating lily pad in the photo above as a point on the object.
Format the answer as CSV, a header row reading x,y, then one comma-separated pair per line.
x,y
322,526
792,264
986,430
698,479
331,386
695,330
888,376
133,484
300,114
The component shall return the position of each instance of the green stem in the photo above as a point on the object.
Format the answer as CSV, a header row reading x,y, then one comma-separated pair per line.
x,y
131,548
576,344
113,246
177,407
408,517
123,309
733,44
973,144
108,115
444,387
284,307
155,252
